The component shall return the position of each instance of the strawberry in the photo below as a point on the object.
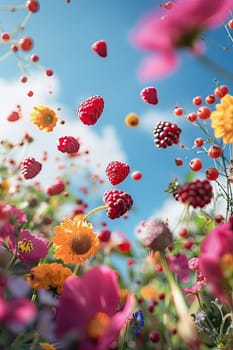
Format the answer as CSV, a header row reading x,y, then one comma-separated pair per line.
x,y
100,48
117,171
90,110
149,95
30,167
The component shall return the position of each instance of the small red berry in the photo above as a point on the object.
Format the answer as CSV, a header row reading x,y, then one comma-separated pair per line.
x,y
149,95
179,161
100,48
178,111
34,58
104,235
90,110
199,142
204,112
68,144
197,101
136,175
221,91
183,232
154,337
14,48
49,72
23,79
5,36
117,172
215,151
211,174
30,167
191,117
55,189
33,5
195,164
187,244
30,93
219,219
210,99
230,23
14,116
26,43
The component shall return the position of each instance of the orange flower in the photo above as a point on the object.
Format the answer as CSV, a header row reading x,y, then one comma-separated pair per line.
x,y
48,276
47,346
75,241
44,117
132,120
222,119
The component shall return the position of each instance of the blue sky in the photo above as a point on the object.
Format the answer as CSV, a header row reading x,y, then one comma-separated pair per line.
x,y
63,35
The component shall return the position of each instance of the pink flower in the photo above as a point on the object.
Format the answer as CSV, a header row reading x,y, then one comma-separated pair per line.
x,y
29,247
179,265
89,307
163,33
216,260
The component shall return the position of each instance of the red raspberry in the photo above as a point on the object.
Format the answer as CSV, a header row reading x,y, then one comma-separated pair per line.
x,y
149,95
118,202
100,48
117,171
68,144
90,110
166,134
56,188
30,167
197,193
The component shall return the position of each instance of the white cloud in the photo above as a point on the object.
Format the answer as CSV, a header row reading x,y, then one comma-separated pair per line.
x,y
103,146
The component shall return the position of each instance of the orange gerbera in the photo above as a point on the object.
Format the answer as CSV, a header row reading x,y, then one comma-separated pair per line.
x,y
48,276
75,241
222,119
44,117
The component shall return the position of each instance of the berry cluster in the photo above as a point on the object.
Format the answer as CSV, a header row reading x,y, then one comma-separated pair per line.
x,y
197,193
166,134
30,167
118,202
117,171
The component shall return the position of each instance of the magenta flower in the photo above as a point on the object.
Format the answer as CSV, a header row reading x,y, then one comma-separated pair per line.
x,y
89,307
29,247
216,260
179,265
163,33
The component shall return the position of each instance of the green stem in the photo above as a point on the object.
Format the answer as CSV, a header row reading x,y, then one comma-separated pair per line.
x,y
95,210
76,269
207,62
35,341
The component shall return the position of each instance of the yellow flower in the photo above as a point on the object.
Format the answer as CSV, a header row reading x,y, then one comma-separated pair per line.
x,y
132,120
47,346
48,276
222,119
75,241
44,117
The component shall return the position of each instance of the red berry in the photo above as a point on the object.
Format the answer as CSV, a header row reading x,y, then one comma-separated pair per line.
x,y
136,175
124,247
178,111
211,174
117,171
230,23
204,112
188,243
34,58
30,93
215,151
30,167
5,36
49,72
100,48
57,188
191,117
104,235
68,144
221,91
197,101
90,110
183,232
33,5
149,95
118,202
14,48
197,193
210,99
219,219
166,134
14,116
154,337
179,161
26,43
195,164
198,142
23,79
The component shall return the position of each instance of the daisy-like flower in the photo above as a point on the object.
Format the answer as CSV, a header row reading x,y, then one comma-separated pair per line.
x,y
222,119
44,118
48,276
75,241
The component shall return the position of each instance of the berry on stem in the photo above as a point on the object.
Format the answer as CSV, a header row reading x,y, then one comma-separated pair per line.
x,y
215,151
195,164
211,174
118,202
197,193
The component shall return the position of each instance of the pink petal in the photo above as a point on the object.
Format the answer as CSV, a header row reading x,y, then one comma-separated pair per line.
x,y
158,66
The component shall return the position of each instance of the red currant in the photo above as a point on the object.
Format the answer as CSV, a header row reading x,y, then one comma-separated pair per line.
x,y
204,112
136,175
178,111
195,164
23,79
49,72
198,142
197,101
215,151
230,24
32,5
30,93
14,48
26,43
188,243
211,174
210,99
221,91
179,161
34,58
183,232
5,36
191,117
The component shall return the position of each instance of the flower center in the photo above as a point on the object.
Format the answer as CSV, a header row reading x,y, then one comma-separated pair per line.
x,y
81,243
187,38
97,325
48,118
25,246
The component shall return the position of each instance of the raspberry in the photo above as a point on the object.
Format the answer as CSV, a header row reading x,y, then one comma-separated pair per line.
x,y
56,188
68,144
30,167
117,171
118,202
90,110
197,193
166,134
149,95
100,48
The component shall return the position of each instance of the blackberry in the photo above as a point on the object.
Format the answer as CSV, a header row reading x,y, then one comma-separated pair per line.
x,y
197,193
166,134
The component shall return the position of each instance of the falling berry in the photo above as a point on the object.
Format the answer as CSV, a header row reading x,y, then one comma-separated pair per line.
x,y
210,99
117,172
68,144
197,193
195,164
30,167
178,111
136,175
100,48
179,161
90,110
166,134
221,91
55,189
132,120
149,95
197,101
118,202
